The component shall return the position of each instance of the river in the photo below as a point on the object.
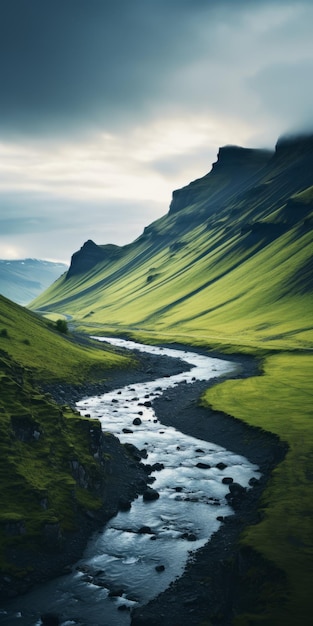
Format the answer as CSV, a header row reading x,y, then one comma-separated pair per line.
x,y
141,551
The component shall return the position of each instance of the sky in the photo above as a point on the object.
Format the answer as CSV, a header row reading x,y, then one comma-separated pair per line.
x,y
107,106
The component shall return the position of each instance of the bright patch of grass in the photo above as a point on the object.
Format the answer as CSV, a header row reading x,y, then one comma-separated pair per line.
x,y
281,401
35,343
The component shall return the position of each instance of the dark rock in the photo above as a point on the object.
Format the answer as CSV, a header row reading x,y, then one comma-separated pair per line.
x,y
150,494
89,255
253,481
52,536
157,467
221,466
159,568
25,428
203,466
50,619
145,530
189,536
124,504
127,431
235,494
227,480
15,528
115,593
236,489
137,421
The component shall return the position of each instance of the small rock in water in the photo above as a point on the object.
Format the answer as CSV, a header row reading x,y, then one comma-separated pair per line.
x,y
227,480
115,593
145,530
159,568
50,619
189,536
150,494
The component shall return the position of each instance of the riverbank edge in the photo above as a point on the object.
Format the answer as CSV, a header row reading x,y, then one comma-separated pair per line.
x,y
211,590
217,584
130,480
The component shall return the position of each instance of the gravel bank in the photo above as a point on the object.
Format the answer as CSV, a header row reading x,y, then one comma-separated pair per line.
x,y
215,586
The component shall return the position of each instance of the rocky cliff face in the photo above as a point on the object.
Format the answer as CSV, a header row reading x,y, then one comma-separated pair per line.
x,y
236,169
89,255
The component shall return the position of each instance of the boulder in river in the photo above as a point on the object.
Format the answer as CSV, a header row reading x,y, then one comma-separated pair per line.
x,y
159,568
227,480
145,530
203,466
150,494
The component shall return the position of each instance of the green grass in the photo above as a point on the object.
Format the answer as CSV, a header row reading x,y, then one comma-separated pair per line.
x,y
41,443
38,442
221,290
281,402
35,343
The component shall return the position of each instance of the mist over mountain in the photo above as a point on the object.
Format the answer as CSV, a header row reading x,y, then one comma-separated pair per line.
x,y
23,280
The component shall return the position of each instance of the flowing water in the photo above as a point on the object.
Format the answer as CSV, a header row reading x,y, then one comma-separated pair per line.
x,y
139,552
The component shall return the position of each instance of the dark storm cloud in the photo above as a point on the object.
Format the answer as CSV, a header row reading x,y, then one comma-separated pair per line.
x,y
62,61
67,64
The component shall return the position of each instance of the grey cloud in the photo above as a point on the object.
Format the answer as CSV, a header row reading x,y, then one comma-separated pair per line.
x,y
64,62
68,223
68,64
288,88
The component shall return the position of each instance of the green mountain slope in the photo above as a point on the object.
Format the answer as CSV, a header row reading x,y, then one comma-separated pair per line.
x,y
23,280
54,464
230,266
232,258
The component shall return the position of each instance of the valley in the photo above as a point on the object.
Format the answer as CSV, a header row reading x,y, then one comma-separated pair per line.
x,y
227,272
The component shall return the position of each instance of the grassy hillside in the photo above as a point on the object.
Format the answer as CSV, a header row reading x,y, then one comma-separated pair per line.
x,y
281,401
53,463
35,344
230,267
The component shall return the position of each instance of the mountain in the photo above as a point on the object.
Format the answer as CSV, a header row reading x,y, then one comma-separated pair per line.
x,y
23,280
230,268
232,258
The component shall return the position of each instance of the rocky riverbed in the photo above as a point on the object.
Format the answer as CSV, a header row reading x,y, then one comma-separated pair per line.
x,y
216,585
211,590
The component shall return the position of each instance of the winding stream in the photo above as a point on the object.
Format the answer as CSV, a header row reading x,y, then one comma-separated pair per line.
x,y
139,552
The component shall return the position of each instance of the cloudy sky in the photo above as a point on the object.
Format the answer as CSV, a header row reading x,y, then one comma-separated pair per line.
x,y
106,106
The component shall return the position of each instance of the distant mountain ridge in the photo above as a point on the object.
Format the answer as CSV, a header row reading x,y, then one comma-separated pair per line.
x,y
23,280
231,255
